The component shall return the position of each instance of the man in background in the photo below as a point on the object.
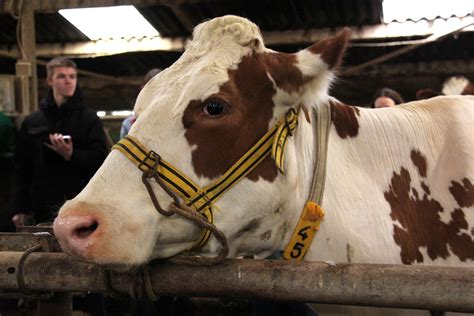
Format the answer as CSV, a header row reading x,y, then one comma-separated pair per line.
x,y
58,149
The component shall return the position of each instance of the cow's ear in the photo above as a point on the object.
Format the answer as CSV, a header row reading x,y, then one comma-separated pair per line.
x,y
331,50
257,45
427,93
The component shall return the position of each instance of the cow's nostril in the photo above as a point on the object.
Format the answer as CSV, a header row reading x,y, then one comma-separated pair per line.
x,y
86,230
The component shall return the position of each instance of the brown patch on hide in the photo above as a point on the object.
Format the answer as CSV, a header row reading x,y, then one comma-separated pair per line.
x,y
221,141
419,161
332,49
425,188
420,225
249,93
345,119
250,227
469,89
463,192
283,229
266,235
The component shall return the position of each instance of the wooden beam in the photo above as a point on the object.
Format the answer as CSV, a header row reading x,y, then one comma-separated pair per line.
x,y
380,32
117,80
101,47
443,33
430,30
47,6
175,6
444,68
417,286
26,65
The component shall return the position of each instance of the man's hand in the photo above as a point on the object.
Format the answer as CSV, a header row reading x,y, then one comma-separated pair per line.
x,y
19,219
62,146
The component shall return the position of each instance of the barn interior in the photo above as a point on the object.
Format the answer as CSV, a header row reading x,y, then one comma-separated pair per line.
x,y
406,52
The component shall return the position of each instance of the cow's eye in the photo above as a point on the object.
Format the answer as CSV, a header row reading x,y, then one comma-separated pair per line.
x,y
214,108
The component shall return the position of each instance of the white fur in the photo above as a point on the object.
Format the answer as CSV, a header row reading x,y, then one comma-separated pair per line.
x,y
455,85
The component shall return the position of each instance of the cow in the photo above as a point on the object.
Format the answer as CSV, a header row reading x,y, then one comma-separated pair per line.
x,y
457,85
234,141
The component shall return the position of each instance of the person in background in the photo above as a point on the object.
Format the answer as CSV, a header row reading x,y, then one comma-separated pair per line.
x,y
386,97
129,120
58,148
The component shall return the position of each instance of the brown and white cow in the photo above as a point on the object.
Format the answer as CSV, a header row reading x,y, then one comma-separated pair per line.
x,y
399,181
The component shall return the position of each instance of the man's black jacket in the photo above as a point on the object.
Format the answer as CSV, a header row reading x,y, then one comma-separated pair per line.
x,y
43,179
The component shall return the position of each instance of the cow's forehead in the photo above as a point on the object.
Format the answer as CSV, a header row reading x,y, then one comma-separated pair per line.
x,y
217,45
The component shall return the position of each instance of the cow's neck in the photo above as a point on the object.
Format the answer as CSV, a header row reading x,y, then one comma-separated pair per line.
x,y
367,149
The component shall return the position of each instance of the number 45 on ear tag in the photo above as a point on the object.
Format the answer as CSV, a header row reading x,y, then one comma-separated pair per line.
x,y
304,232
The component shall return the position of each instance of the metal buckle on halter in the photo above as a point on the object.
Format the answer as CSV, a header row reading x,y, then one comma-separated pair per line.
x,y
143,166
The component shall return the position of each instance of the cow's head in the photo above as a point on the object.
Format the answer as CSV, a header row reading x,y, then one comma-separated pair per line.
x,y
201,115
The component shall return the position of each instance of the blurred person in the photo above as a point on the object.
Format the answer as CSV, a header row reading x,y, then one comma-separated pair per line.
x,y
129,120
386,97
58,148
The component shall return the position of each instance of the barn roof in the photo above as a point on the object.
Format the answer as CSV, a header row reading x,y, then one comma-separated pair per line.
x,y
287,25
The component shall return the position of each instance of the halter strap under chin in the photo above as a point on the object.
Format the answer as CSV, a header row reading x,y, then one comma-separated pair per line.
x,y
202,199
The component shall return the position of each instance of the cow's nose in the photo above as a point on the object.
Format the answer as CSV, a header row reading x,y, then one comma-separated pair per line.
x,y
75,232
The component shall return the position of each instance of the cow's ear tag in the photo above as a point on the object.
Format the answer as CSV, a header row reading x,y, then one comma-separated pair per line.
x,y
304,233
312,212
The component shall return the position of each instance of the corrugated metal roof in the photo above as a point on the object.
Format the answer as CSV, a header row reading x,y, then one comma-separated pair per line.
x,y
270,15
176,19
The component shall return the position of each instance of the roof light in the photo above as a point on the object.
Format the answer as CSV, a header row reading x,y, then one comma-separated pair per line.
x,y
110,22
402,10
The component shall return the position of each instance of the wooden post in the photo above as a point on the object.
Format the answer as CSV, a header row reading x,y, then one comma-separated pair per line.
x,y
26,66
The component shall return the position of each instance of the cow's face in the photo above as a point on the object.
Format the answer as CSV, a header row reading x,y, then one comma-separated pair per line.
x,y
201,115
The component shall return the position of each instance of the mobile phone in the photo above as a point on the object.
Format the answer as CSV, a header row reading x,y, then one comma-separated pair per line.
x,y
66,136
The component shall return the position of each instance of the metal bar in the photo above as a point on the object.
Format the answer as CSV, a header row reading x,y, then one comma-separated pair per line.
x,y
418,287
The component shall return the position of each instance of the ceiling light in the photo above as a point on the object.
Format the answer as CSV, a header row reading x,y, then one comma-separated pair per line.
x,y
110,22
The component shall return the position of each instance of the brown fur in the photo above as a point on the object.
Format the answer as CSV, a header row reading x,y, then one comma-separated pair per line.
x,y
421,222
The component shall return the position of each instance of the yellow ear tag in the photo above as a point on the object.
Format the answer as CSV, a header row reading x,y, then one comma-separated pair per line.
x,y
304,233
